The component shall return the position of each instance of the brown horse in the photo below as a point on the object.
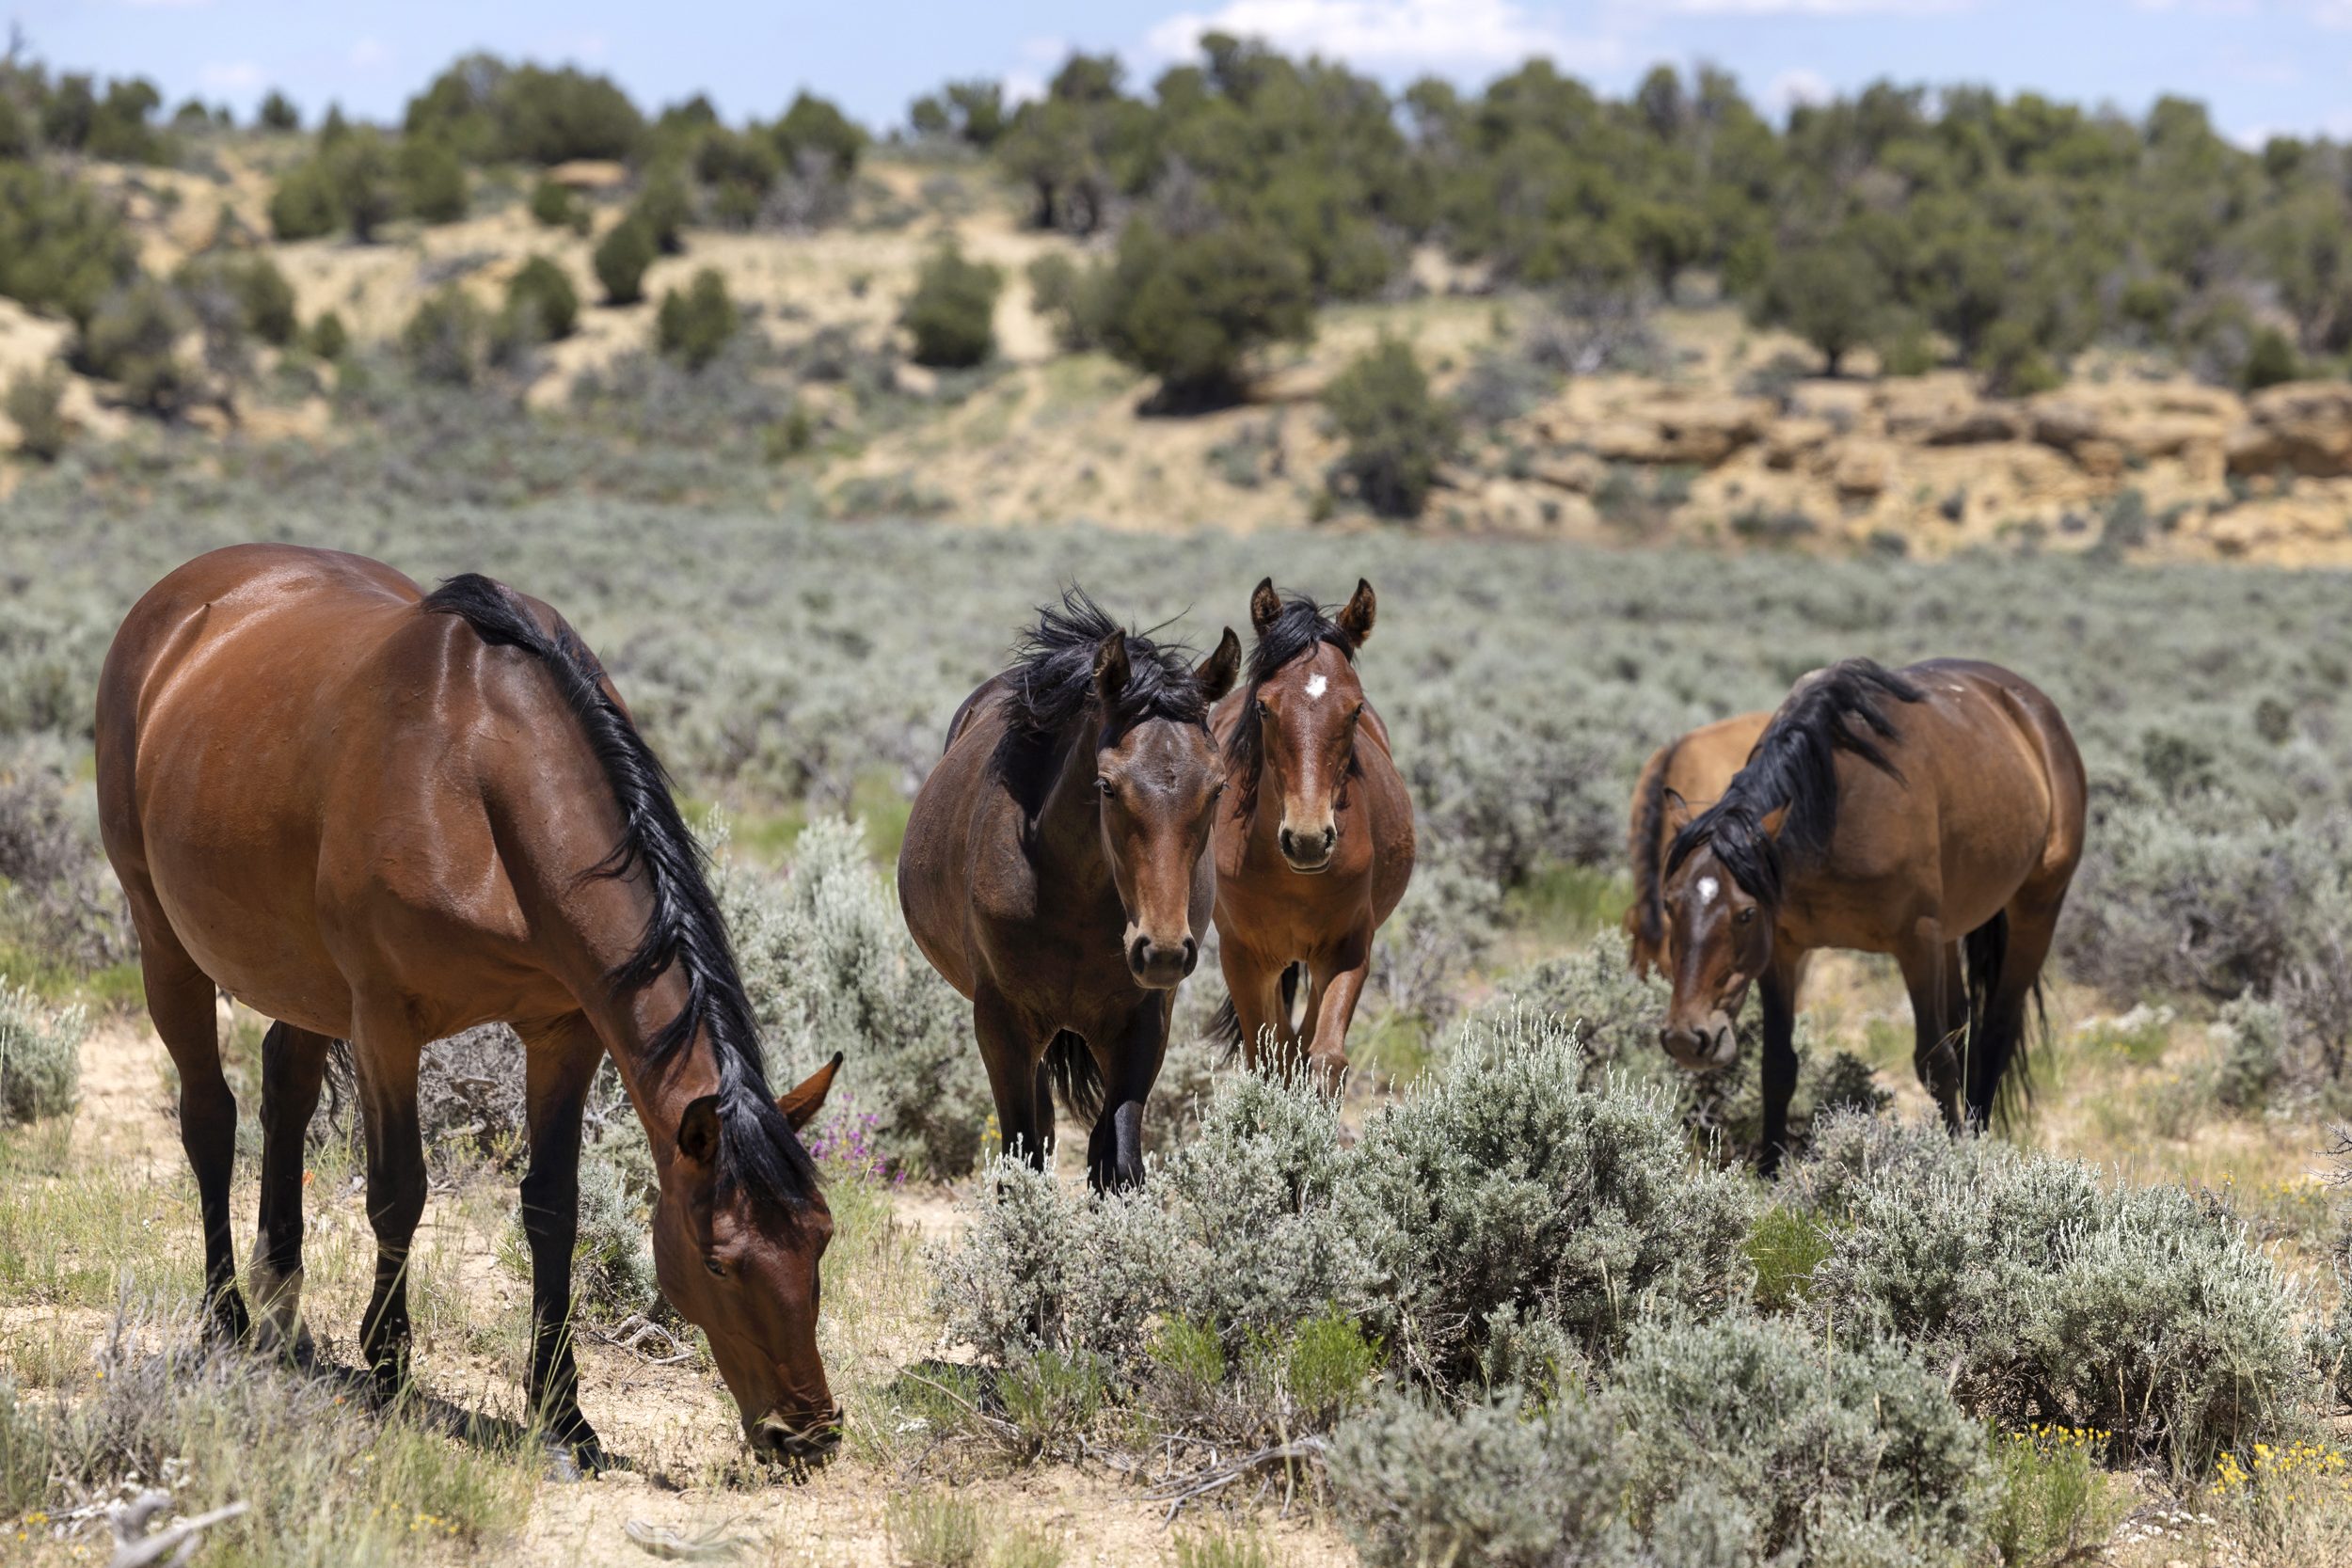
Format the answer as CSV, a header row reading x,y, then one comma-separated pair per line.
x,y
379,816
1054,871
1935,814
1690,771
1316,848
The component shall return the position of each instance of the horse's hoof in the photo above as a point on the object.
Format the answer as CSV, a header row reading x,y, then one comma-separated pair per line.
x,y
578,1458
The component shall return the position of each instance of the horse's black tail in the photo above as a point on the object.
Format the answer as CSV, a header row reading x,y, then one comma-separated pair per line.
x,y
1076,1078
1647,917
1999,1063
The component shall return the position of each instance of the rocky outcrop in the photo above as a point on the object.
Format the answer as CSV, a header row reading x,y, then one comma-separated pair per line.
x,y
2301,426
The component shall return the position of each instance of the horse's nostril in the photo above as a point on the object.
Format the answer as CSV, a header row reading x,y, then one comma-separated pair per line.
x,y
1140,954
1330,836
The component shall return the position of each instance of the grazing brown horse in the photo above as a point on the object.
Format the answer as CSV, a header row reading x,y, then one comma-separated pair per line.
x,y
1315,845
1935,814
1687,774
380,815
1054,871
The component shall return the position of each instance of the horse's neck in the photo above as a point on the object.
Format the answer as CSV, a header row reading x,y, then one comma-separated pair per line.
x,y
1069,829
660,1091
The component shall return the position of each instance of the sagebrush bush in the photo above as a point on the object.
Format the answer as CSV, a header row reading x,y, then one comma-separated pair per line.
x,y
447,338
951,315
1732,1442
1503,1199
552,204
830,967
36,405
134,340
542,307
2053,1294
41,1057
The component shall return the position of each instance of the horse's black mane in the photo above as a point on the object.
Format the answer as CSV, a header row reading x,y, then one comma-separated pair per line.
x,y
758,1152
1052,677
1296,631
1794,767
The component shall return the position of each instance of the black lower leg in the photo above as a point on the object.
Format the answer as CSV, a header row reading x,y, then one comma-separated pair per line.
x,y
1779,1070
294,1066
207,1131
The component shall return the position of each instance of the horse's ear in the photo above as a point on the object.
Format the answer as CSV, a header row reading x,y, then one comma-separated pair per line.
x,y
1265,606
801,1107
1356,620
698,1130
1218,671
1772,819
1110,668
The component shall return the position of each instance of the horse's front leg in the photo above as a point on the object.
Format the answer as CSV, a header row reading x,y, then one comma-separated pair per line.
x,y
560,1065
1777,992
1130,1068
1337,980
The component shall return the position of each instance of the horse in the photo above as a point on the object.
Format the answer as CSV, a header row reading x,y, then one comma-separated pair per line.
x,y
382,815
1316,846
1693,770
1935,814
1055,871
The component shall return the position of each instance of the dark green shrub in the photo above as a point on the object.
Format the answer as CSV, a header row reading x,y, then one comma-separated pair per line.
x,y
262,298
2271,360
541,304
1069,296
695,325
663,207
553,205
432,180
621,259
36,405
16,132
812,125
305,205
366,182
277,113
1397,433
489,111
1193,308
1830,294
445,339
134,340
952,313
2014,361
327,337
62,248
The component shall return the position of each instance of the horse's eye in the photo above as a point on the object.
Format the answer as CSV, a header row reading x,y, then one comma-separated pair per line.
x,y
717,1268
1747,916
1102,787
1264,712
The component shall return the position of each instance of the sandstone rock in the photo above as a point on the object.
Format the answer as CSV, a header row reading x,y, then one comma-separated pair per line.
x,y
2302,425
2099,458
1861,470
2065,425
1702,432
1578,472
1977,425
1842,402
1791,442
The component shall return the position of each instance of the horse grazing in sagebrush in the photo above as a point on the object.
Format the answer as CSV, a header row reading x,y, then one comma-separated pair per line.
x,y
1935,814
1685,774
1315,845
379,816
1055,873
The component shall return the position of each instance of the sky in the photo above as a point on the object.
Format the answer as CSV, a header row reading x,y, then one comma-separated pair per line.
x,y
2261,66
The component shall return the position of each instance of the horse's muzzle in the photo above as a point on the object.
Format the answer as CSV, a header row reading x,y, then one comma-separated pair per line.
x,y
1700,1048
1309,852
1158,966
805,1441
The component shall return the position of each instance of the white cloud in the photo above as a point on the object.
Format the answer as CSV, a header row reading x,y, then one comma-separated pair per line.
x,y
233,76
1389,32
1813,8
1792,87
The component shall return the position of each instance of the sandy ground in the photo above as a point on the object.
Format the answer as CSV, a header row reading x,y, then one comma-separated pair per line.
x,y
673,1426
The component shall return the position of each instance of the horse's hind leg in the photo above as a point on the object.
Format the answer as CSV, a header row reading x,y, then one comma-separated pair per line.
x,y
1939,1016
385,1052
180,999
560,1065
2032,917
294,1065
